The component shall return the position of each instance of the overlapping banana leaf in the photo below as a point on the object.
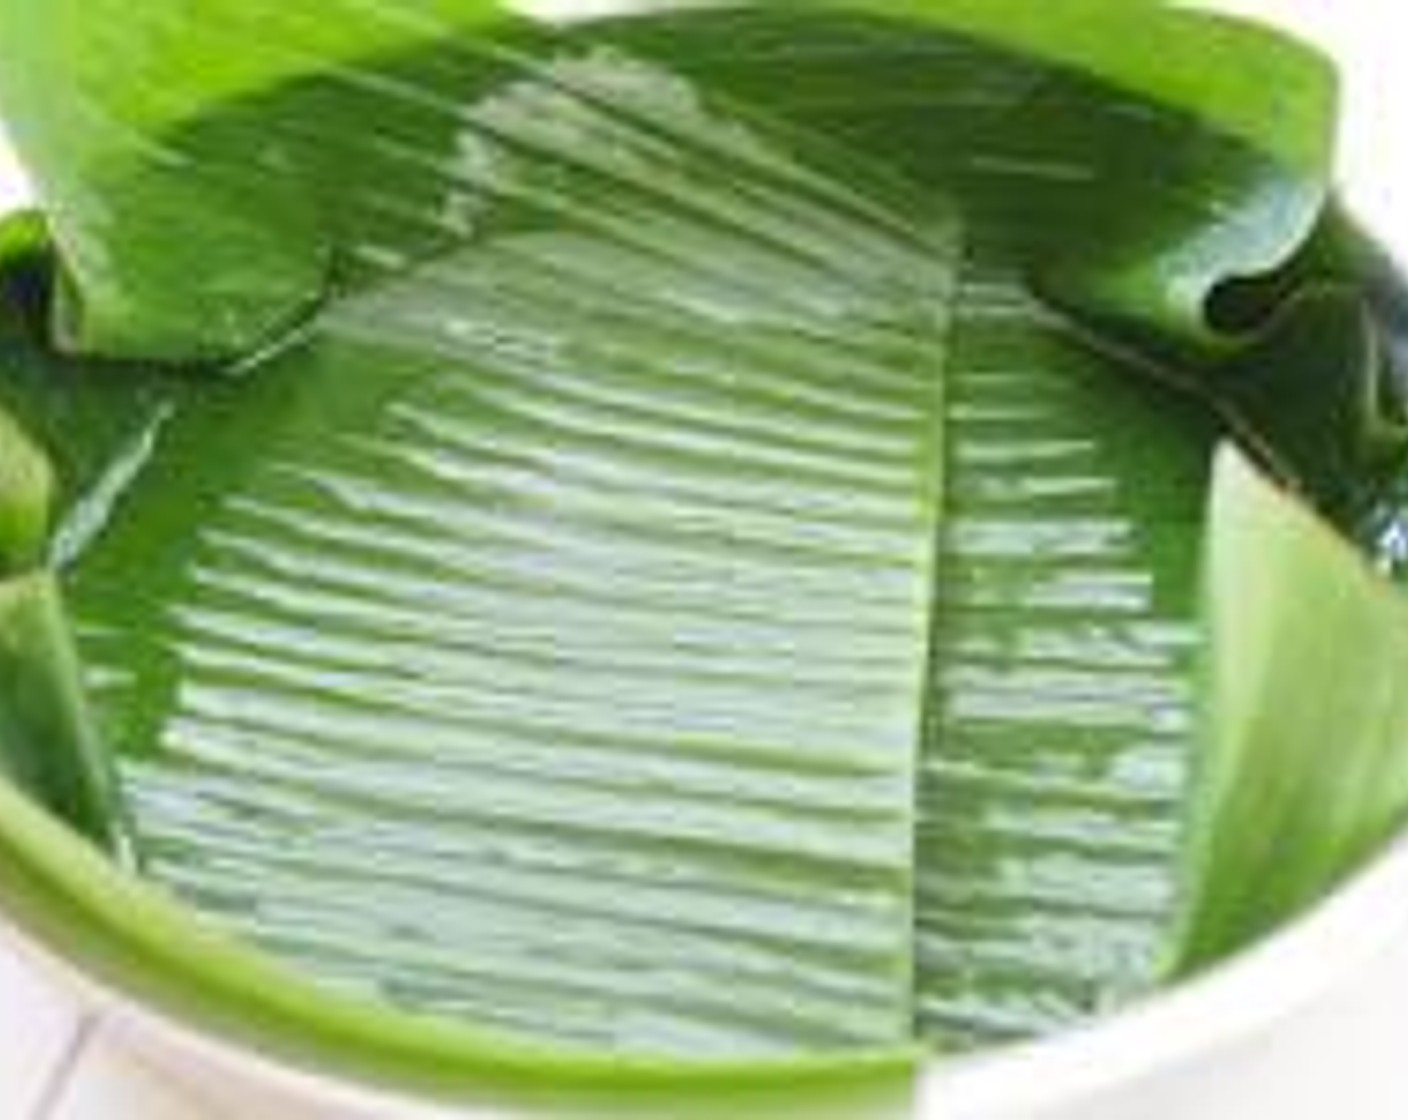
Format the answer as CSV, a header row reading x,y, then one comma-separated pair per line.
x,y
1306,654
658,561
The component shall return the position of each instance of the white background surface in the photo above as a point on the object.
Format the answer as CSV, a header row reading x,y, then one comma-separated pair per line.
x,y
53,1067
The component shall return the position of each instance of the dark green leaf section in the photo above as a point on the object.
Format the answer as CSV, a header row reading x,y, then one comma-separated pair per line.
x,y
1343,306
1316,396
26,473
1304,776
73,433
539,639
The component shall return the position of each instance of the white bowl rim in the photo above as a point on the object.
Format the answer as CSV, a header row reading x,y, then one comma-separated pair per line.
x,y
1288,974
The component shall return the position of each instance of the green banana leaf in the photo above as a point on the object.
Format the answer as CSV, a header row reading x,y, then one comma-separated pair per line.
x,y
1306,653
650,564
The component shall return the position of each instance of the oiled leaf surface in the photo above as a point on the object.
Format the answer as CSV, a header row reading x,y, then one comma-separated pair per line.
x,y
696,553
540,639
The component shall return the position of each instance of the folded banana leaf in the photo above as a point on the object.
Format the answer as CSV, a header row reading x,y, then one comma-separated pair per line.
x,y
654,564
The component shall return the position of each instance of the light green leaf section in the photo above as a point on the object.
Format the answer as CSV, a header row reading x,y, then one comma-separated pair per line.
x,y
1305,771
26,494
131,935
48,744
137,280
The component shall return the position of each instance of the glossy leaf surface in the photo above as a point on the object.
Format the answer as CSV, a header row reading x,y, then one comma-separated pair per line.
x,y
538,638
675,538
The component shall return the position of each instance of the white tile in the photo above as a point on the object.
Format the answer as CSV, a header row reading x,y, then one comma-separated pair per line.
x,y
108,1083
38,1024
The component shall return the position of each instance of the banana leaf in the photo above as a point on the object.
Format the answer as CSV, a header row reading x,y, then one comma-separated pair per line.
x,y
1306,779
652,564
